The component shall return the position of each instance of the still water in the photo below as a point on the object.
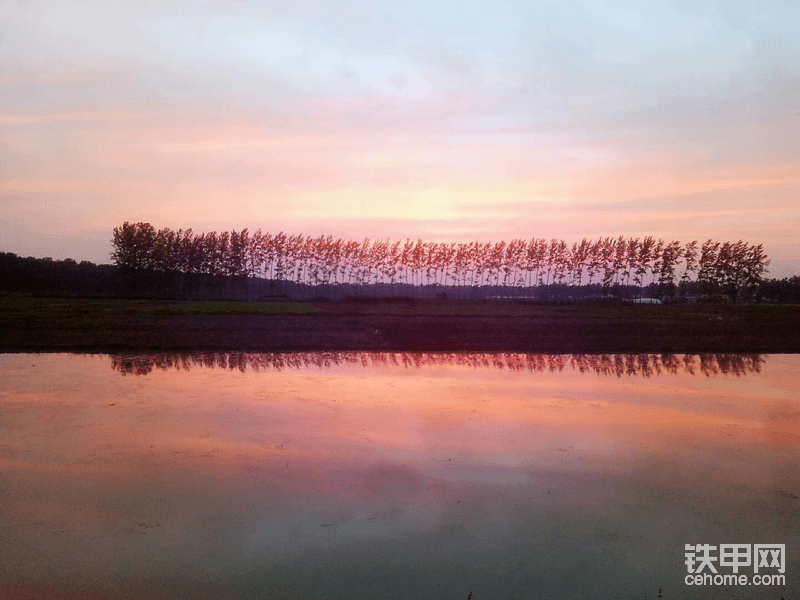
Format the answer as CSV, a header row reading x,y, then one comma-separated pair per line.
x,y
366,476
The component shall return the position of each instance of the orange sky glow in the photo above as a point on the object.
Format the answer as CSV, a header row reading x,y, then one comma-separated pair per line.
x,y
384,121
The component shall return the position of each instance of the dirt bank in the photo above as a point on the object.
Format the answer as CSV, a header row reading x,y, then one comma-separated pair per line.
x,y
40,324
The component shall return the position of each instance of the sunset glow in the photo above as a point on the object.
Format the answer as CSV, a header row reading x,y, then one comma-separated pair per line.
x,y
447,122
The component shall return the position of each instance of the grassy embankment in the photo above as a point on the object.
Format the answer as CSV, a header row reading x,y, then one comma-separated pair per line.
x,y
87,325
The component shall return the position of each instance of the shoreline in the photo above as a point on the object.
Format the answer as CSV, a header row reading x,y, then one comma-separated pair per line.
x,y
111,326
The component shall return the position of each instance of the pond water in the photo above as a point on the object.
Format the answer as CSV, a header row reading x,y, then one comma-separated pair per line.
x,y
414,476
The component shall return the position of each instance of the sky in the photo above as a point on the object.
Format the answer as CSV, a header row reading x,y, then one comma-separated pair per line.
x,y
442,120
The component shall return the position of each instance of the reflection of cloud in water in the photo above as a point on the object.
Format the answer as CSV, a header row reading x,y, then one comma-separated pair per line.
x,y
372,475
645,365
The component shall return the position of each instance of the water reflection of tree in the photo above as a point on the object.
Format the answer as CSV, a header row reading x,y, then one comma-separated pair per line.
x,y
645,365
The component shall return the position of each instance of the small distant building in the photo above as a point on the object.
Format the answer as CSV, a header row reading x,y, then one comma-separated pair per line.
x,y
647,301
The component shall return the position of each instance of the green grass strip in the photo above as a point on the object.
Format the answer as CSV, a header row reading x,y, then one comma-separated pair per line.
x,y
226,308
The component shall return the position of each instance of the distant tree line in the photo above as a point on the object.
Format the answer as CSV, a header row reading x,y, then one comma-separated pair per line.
x,y
783,291
59,277
612,265
182,264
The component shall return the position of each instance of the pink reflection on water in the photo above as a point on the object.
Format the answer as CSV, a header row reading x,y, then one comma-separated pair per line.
x,y
269,462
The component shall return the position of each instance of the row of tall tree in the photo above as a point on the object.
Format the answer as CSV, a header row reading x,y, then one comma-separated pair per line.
x,y
722,267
